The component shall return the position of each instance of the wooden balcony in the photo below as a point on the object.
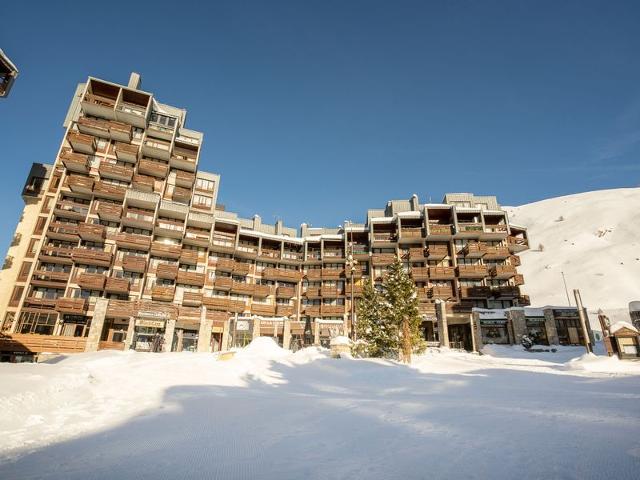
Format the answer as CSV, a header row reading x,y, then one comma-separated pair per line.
x,y
217,303
330,292
93,126
285,292
134,241
284,310
181,195
121,308
192,298
518,279
411,234
88,256
109,211
189,257
515,260
313,292
332,273
469,229
283,274
117,285
241,268
442,273
495,232
242,288
82,143
474,250
314,274
134,263
55,255
156,148
153,168
91,281
420,273
332,255
40,303
222,283
197,236
92,232
383,258
384,237
524,301
224,264
428,309
475,292
80,184
262,291
191,278
472,271
506,291
440,230
163,293
437,251
126,152
517,244
312,310
74,162
99,105
69,209
416,253
185,179
167,271
497,252
63,231
263,309
108,190
246,251
330,310
223,245
75,306
268,253
441,292
120,131
48,278
36,343
503,271
143,183
118,172
184,158
166,250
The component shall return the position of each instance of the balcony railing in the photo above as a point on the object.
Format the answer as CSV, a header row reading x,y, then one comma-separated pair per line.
x,y
442,273
76,306
163,293
420,273
472,271
91,281
126,152
151,167
109,211
134,263
168,250
134,241
75,162
190,278
383,258
222,283
332,273
497,252
119,172
285,292
78,183
475,292
437,251
262,291
108,190
167,271
440,229
242,288
474,249
503,271
282,274
189,257
117,285
91,232
192,298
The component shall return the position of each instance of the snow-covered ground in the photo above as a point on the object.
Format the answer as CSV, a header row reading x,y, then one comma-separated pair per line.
x,y
273,414
594,238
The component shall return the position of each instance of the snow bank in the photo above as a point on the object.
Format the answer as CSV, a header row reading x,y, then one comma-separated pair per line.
x,y
599,364
264,348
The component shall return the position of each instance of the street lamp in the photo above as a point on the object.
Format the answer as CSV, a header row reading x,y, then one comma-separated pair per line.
x,y
351,264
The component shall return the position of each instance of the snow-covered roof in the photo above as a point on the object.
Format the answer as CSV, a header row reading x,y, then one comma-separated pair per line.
x,y
620,325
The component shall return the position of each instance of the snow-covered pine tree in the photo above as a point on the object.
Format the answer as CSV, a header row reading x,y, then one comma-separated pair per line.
x,y
401,300
379,337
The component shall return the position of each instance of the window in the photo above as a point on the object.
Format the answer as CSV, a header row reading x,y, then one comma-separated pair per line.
x,y
204,184
40,225
31,249
46,204
24,271
16,296
202,201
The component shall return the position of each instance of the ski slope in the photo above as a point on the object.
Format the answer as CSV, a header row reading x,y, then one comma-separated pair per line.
x,y
594,238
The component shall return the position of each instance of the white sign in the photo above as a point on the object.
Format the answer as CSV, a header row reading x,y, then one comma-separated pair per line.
x,y
242,325
150,323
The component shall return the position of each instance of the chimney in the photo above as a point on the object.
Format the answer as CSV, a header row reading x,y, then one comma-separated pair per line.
x,y
257,222
134,81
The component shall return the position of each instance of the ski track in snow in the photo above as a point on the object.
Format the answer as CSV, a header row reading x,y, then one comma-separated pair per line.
x,y
271,414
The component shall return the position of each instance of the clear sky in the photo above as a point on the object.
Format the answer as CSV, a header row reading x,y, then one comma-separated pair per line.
x,y
317,110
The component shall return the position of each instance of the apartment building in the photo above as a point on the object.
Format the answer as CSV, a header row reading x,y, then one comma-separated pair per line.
x,y
122,244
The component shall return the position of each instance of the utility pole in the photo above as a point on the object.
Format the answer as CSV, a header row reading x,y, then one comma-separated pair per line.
x,y
566,290
583,320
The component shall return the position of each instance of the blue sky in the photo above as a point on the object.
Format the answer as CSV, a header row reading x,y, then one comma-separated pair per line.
x,y
316,111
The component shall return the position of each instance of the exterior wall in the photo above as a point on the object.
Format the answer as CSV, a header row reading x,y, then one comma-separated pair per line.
x,y
136,222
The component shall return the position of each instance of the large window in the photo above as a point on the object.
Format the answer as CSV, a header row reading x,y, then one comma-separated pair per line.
x,y
204,184
41,323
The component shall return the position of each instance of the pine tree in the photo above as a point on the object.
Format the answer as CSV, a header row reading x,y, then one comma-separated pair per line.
x,y
376,334
401,302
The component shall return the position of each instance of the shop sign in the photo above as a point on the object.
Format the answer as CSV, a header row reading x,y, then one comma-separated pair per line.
x,y
492,322
565,313
242,325
151,314
534,321
141,322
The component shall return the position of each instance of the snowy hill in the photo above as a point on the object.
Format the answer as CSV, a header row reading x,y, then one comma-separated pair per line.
x,y
594,238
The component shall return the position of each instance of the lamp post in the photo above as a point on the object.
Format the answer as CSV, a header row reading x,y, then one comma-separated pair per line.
x,y
351,263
